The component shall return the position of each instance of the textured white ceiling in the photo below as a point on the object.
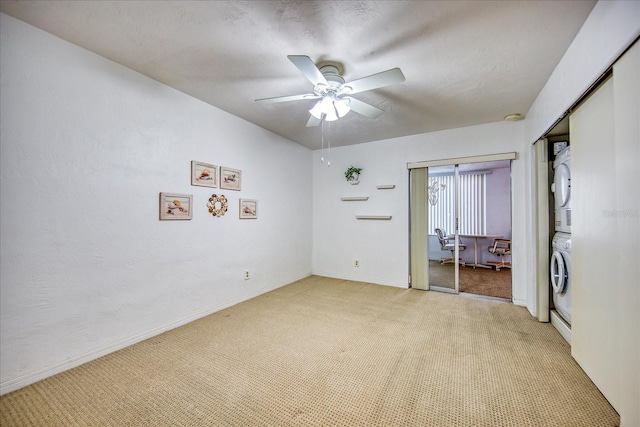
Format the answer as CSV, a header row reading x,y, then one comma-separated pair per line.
x,y
466,62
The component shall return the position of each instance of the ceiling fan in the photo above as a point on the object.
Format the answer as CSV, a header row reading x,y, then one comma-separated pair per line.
x,y
333,93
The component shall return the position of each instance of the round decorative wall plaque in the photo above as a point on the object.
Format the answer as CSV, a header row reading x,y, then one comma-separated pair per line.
x,y
217,205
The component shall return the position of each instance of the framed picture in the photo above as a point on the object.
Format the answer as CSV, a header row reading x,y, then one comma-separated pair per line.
x,y
248,209
230,179
175,206
204,174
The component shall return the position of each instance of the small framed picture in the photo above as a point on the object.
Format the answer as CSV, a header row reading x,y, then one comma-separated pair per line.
x,y
230,179
248,209
204,174
175,206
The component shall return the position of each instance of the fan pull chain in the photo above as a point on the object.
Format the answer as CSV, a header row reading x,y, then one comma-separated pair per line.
x,y
322,139
329,145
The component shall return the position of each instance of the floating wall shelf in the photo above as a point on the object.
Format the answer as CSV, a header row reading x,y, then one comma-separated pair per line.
x,y
378,217
354,199
386,187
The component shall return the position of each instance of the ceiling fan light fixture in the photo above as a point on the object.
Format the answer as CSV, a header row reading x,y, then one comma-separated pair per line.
x,y
342,107
316,111
330,109
333,93
331,114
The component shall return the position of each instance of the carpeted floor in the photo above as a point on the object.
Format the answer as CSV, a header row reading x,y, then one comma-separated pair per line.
x,y
327,352
479,281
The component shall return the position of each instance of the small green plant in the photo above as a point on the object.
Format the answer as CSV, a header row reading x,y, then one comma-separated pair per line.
x,y
352,173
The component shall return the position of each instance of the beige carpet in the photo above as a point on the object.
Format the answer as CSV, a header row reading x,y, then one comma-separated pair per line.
x,y
325,352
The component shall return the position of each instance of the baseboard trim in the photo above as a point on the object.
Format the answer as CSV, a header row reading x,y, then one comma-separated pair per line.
x,y
519,302
563,327
354,278
73,362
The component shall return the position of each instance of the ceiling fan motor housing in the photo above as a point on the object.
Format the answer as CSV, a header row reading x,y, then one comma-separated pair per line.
x,y
332,73
334,80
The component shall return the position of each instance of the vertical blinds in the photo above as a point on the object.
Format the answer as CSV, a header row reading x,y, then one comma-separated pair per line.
x,y
472,188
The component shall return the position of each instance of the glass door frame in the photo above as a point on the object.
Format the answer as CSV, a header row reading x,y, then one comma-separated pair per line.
x,y
418,217
456,230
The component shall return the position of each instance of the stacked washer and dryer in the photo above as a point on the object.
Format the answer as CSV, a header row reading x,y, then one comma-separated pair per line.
x,y
560,265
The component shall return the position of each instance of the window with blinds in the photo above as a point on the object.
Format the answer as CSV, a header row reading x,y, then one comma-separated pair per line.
x,y
441,196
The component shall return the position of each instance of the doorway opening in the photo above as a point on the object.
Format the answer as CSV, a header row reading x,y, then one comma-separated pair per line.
x,y
461,213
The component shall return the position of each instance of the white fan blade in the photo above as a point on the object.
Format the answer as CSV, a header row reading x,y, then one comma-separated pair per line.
x,y
313,122
288,98
373,81
308,68
363,108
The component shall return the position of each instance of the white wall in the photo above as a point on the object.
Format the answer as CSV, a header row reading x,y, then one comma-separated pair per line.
x,y
610,29
382,246
499,202
80,134
86,266
498,213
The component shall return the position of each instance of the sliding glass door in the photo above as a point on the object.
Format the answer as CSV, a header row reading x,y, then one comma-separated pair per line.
x,y
443,248
433,219
449,203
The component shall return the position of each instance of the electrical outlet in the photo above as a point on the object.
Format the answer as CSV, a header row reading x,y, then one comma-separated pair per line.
x,y
356,263
246,275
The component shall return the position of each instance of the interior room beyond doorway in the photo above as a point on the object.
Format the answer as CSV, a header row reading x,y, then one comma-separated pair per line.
x,y
437,221
477,281
470,207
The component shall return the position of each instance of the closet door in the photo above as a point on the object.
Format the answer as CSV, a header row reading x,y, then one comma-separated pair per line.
x,y
606,238
594,293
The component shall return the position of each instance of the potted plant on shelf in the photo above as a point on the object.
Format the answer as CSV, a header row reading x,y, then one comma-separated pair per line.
x,y
353,175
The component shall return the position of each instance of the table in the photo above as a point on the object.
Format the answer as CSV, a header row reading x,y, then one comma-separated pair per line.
x,y
475,249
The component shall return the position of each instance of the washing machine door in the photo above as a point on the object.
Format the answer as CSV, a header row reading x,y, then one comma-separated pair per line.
x,y
562,185
559,273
